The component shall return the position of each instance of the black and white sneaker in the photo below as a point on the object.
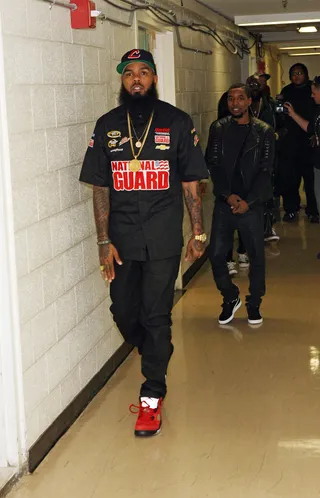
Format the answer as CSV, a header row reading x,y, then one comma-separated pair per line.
x,y
254,316
290,217
272,236
228,311
232,268
313,218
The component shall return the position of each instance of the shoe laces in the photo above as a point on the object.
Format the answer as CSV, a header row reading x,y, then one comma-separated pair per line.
x,y
144,410
231,265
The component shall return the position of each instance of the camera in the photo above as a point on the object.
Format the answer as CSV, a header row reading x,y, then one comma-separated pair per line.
x,y
280,109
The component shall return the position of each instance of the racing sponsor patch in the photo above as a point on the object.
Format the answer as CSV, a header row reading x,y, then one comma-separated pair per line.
x,y
163,147
112,143
153,175
124,140
114,134
162,131
116,150
162,139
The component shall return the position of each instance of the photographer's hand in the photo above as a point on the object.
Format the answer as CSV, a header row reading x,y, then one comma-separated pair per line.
x,y
303,123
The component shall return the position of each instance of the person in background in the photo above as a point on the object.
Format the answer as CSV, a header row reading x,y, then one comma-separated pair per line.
x,y
240,158
263,78
313,129
243,260
263,108
296,155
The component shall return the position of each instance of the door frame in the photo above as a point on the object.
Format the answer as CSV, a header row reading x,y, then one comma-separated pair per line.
x,y
13,446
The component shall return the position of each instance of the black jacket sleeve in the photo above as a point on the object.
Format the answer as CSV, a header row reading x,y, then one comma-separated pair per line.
x,y
217,172
261,189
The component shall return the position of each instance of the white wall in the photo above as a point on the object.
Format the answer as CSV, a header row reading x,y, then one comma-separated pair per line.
x,y
59,82
312,62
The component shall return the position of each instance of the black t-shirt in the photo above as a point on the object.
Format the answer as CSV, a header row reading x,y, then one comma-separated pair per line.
x,y
236,137
301,100
314,130
146,206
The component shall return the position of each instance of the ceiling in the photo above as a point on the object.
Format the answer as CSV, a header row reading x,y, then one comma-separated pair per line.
x,y
231,8
279,34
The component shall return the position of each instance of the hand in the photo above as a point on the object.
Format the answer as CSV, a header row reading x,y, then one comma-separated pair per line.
x,y
195,249
291,111
241,208
107,254
233,200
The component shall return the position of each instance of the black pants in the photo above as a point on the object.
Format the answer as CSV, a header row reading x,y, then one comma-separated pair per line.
x,y
250,225
241,248
142,300
296,163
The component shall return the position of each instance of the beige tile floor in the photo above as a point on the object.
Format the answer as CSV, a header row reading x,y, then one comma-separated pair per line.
x,y
242,417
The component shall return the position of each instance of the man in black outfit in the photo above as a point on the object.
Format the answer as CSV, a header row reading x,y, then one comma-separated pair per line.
x,y
240,157
143,157
296,152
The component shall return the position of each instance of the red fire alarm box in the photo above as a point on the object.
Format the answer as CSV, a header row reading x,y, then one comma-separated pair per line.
x,y
81,17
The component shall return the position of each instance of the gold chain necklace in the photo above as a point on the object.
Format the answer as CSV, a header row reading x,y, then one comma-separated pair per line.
x,y
138,142
256,114
135,164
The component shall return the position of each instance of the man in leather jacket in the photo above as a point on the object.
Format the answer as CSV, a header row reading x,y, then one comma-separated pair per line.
x,y
240,158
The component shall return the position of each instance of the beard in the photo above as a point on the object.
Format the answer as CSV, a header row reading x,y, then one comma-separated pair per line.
x,y
256,95
138,101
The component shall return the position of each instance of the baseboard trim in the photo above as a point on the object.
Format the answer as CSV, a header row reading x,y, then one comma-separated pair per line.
x,y
194,268
51,436
60,426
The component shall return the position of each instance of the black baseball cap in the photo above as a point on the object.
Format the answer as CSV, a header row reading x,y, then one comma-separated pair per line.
x,y
136,55
265,75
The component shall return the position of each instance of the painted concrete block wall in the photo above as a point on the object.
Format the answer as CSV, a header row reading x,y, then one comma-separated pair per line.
x,y
59,82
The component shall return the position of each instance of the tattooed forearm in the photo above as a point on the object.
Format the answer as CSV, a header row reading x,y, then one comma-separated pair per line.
x,y
101,206
192,198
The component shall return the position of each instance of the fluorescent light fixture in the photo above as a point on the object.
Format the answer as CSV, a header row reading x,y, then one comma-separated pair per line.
x,y
272,19
304,53
308,29
306,47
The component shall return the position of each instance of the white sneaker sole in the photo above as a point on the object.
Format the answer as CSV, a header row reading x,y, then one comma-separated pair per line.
x,y
273,238
233,272
255,322
244,265
224,322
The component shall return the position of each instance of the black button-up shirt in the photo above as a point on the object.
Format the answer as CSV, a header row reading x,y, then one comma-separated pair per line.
x,y
146,207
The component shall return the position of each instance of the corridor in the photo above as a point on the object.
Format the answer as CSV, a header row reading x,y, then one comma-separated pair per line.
x,y
241,419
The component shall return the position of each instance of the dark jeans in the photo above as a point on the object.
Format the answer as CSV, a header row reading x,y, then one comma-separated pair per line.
x,y
296,163
250,225
142,300
241,248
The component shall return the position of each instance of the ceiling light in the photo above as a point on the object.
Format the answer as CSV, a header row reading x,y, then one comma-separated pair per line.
x,y
304,53
271,19
308,29
306,47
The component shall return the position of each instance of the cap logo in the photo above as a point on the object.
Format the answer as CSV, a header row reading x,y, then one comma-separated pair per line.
x,y
135,54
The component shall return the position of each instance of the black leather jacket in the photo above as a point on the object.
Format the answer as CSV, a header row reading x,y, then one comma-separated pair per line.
x,y
258,155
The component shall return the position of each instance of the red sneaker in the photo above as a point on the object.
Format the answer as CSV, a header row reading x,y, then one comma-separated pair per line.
x,y
149,419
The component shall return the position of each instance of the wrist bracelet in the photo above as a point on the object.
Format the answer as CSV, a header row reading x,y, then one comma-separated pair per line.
x,y
103,242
